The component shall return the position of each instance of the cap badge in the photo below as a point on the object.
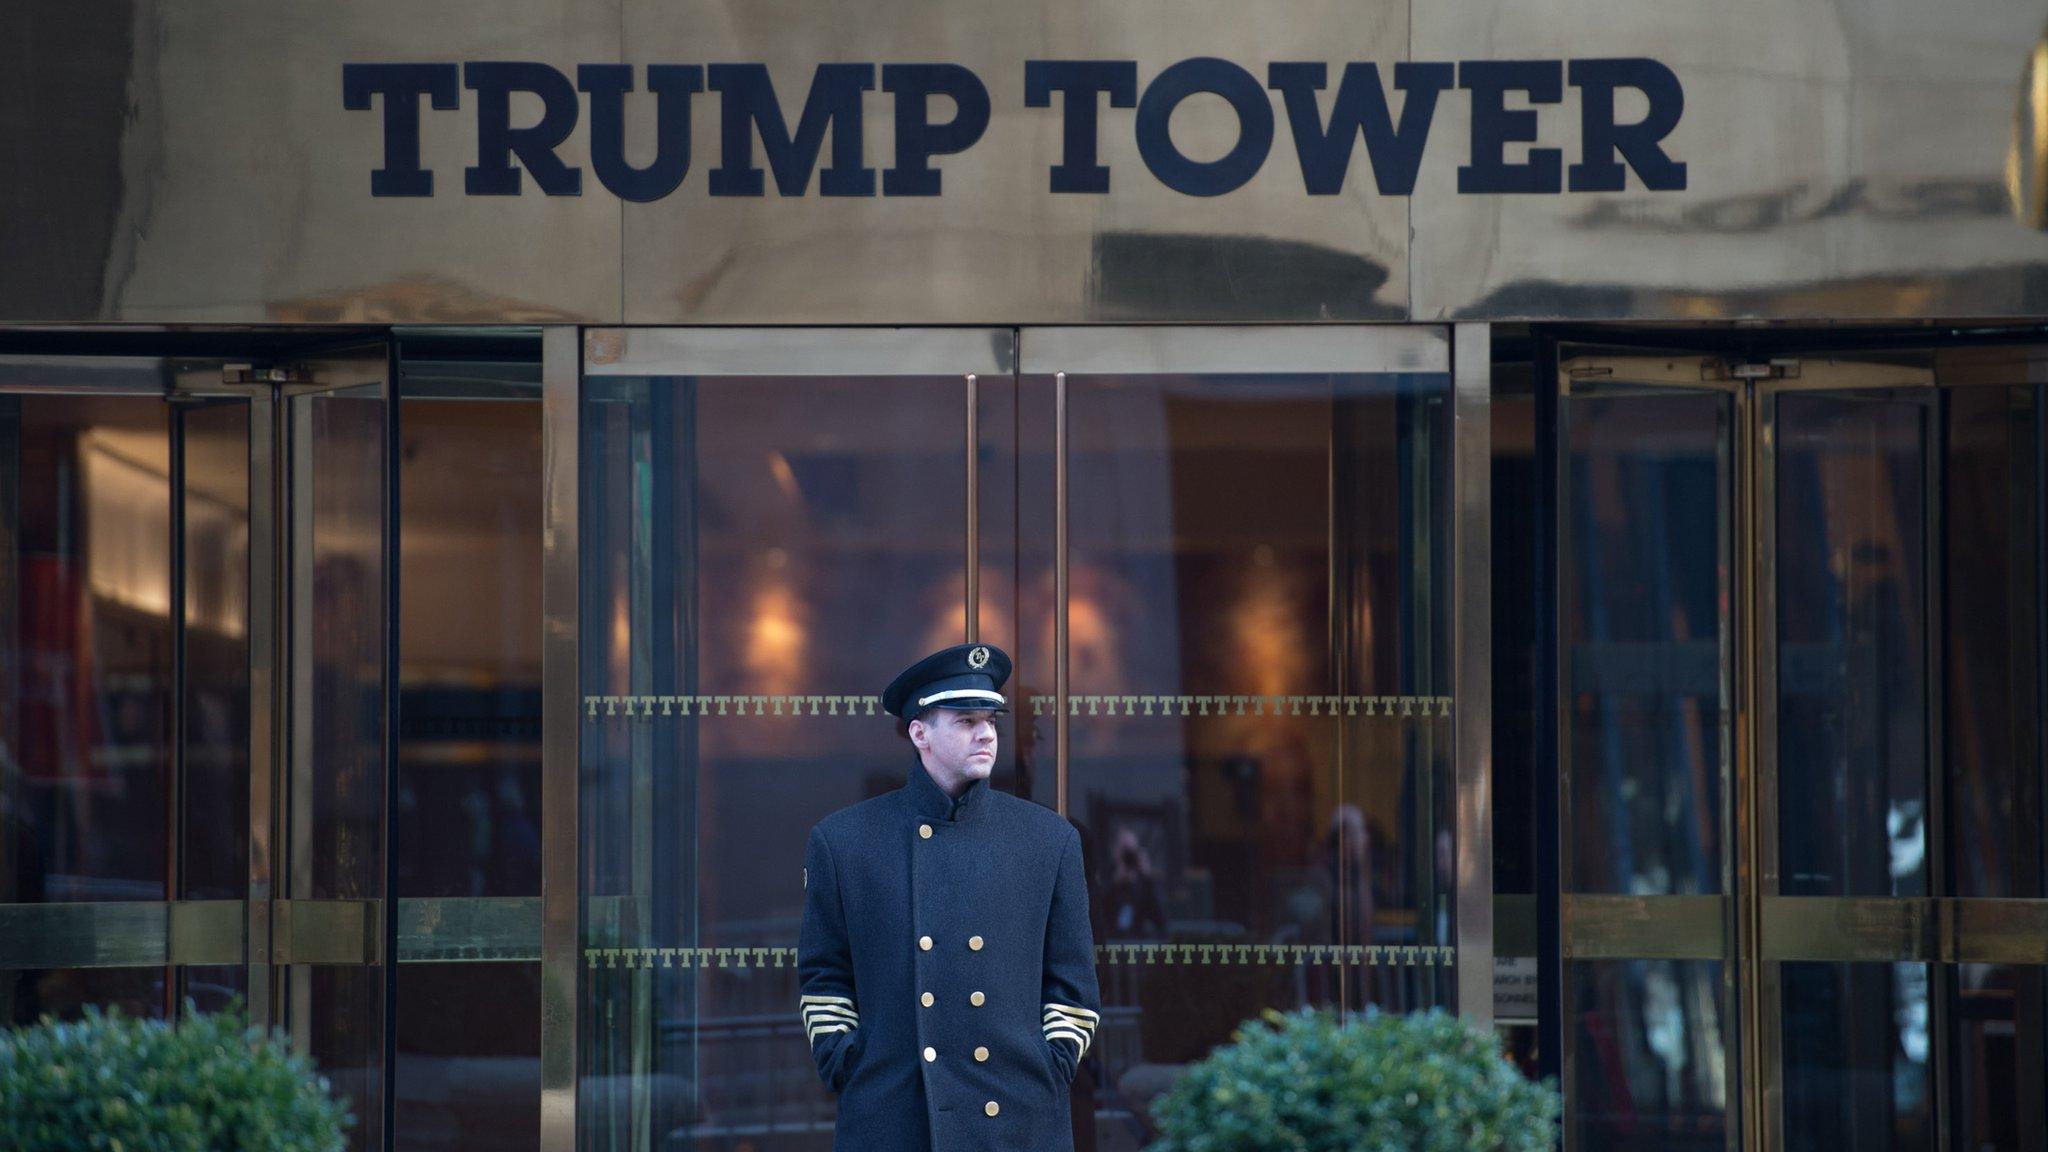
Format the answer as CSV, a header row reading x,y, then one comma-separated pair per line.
x,y
977,658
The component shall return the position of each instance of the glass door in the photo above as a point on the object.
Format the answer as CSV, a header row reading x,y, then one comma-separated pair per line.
x,y
1222,562
1250,690
771,524
1901,929
331,811
1647,750
1861,539
194,647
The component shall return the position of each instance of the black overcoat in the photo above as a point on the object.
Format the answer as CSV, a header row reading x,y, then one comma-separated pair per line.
x,y
947,969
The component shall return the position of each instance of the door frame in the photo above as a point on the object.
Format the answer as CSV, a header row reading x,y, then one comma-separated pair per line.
x,y
265,933
1749,927
571,353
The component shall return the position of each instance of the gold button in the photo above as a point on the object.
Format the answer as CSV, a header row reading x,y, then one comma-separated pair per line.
x,y
924,830
991,1108
981,1053
976,999
974,942
930,1054
924,942
925,999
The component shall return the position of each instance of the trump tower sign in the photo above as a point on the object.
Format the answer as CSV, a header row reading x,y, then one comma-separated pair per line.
x,y
750,108
996,162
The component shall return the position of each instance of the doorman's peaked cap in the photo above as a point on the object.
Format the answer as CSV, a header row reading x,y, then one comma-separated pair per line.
x,y
964,676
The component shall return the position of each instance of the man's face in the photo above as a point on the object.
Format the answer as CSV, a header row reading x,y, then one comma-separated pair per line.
x,y
958,741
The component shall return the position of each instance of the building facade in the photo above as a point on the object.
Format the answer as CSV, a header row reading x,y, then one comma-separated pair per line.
x,y
1538,514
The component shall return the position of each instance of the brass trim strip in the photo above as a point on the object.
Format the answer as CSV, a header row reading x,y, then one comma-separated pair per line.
x,y
266,695
1198,349
120,934
1849,928
1949,930
643,707
1645,927
1225,955
469,929
347,932
1995,932
1216,955
600,707
207,931
973,503
1415,707
701,352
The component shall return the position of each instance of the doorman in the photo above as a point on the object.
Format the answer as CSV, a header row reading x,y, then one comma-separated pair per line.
x,y
946,961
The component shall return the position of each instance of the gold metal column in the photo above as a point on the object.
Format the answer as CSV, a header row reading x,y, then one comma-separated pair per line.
x,y
1472,664
561,350
1751,1075
973,629
265,671
1059,591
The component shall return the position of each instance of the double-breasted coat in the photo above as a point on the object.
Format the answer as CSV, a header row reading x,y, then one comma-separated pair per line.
x,y
947,969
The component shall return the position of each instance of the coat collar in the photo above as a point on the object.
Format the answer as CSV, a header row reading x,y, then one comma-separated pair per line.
x,y
930,801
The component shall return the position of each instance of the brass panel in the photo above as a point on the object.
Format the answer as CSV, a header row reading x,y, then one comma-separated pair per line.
x,y
798,351
1995,931
997,244
120,934
1858,929
1582,371
469,929
207,931
327,932
172,209
1645,927
1843,160
1514,925
1150,351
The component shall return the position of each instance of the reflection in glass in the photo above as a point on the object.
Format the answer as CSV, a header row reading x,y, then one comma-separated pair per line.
x,y
214,839
1855,1053
85,598
467,1049
1646,660
1649,1058
1997,1050
86,643
1991,586
1248,538
213,514
1015,598
65,993
1852,652
1852,708
468,1062
1994,464
772,542
1515,550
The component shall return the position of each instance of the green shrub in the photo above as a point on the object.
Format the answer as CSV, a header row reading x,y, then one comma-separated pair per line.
x,y
210,1084
1307,1081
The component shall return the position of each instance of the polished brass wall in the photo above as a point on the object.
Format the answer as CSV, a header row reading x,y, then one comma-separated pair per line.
x,y
1842,162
